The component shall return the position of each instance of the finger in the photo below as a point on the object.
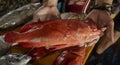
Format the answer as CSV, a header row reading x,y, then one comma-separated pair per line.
x,y
53,16
40,17
57,16
44,17
56,13
50,17
103,29
35,18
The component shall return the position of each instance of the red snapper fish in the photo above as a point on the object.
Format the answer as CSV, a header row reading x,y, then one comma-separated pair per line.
x,y
55,34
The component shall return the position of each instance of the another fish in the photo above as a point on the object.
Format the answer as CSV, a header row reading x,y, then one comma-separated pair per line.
x,y
71,56
19,16
14,59
4,47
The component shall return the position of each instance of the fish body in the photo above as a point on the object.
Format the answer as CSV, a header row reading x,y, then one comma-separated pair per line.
x,y
56,33
17,17
14,59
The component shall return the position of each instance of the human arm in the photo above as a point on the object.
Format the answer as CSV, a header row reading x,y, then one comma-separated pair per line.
x,y
103,19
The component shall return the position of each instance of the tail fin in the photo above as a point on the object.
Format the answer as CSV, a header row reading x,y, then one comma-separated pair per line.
x,y
11,37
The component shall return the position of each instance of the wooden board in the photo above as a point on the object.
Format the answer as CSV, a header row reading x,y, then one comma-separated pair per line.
x,y
49,58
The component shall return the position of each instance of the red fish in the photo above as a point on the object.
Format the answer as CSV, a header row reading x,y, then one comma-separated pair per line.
x,y
54,33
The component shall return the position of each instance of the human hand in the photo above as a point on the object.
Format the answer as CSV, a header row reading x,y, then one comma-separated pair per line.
x,y
103,19
46,13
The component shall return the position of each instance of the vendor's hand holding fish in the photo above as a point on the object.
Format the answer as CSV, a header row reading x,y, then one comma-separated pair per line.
x,y
102,19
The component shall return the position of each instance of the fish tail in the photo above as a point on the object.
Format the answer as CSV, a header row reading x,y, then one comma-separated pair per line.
x,y
11,37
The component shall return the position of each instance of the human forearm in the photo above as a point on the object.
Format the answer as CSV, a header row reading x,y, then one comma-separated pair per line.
x,y
100,2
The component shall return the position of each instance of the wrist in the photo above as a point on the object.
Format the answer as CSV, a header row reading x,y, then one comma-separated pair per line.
x,y
104,6
101,2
